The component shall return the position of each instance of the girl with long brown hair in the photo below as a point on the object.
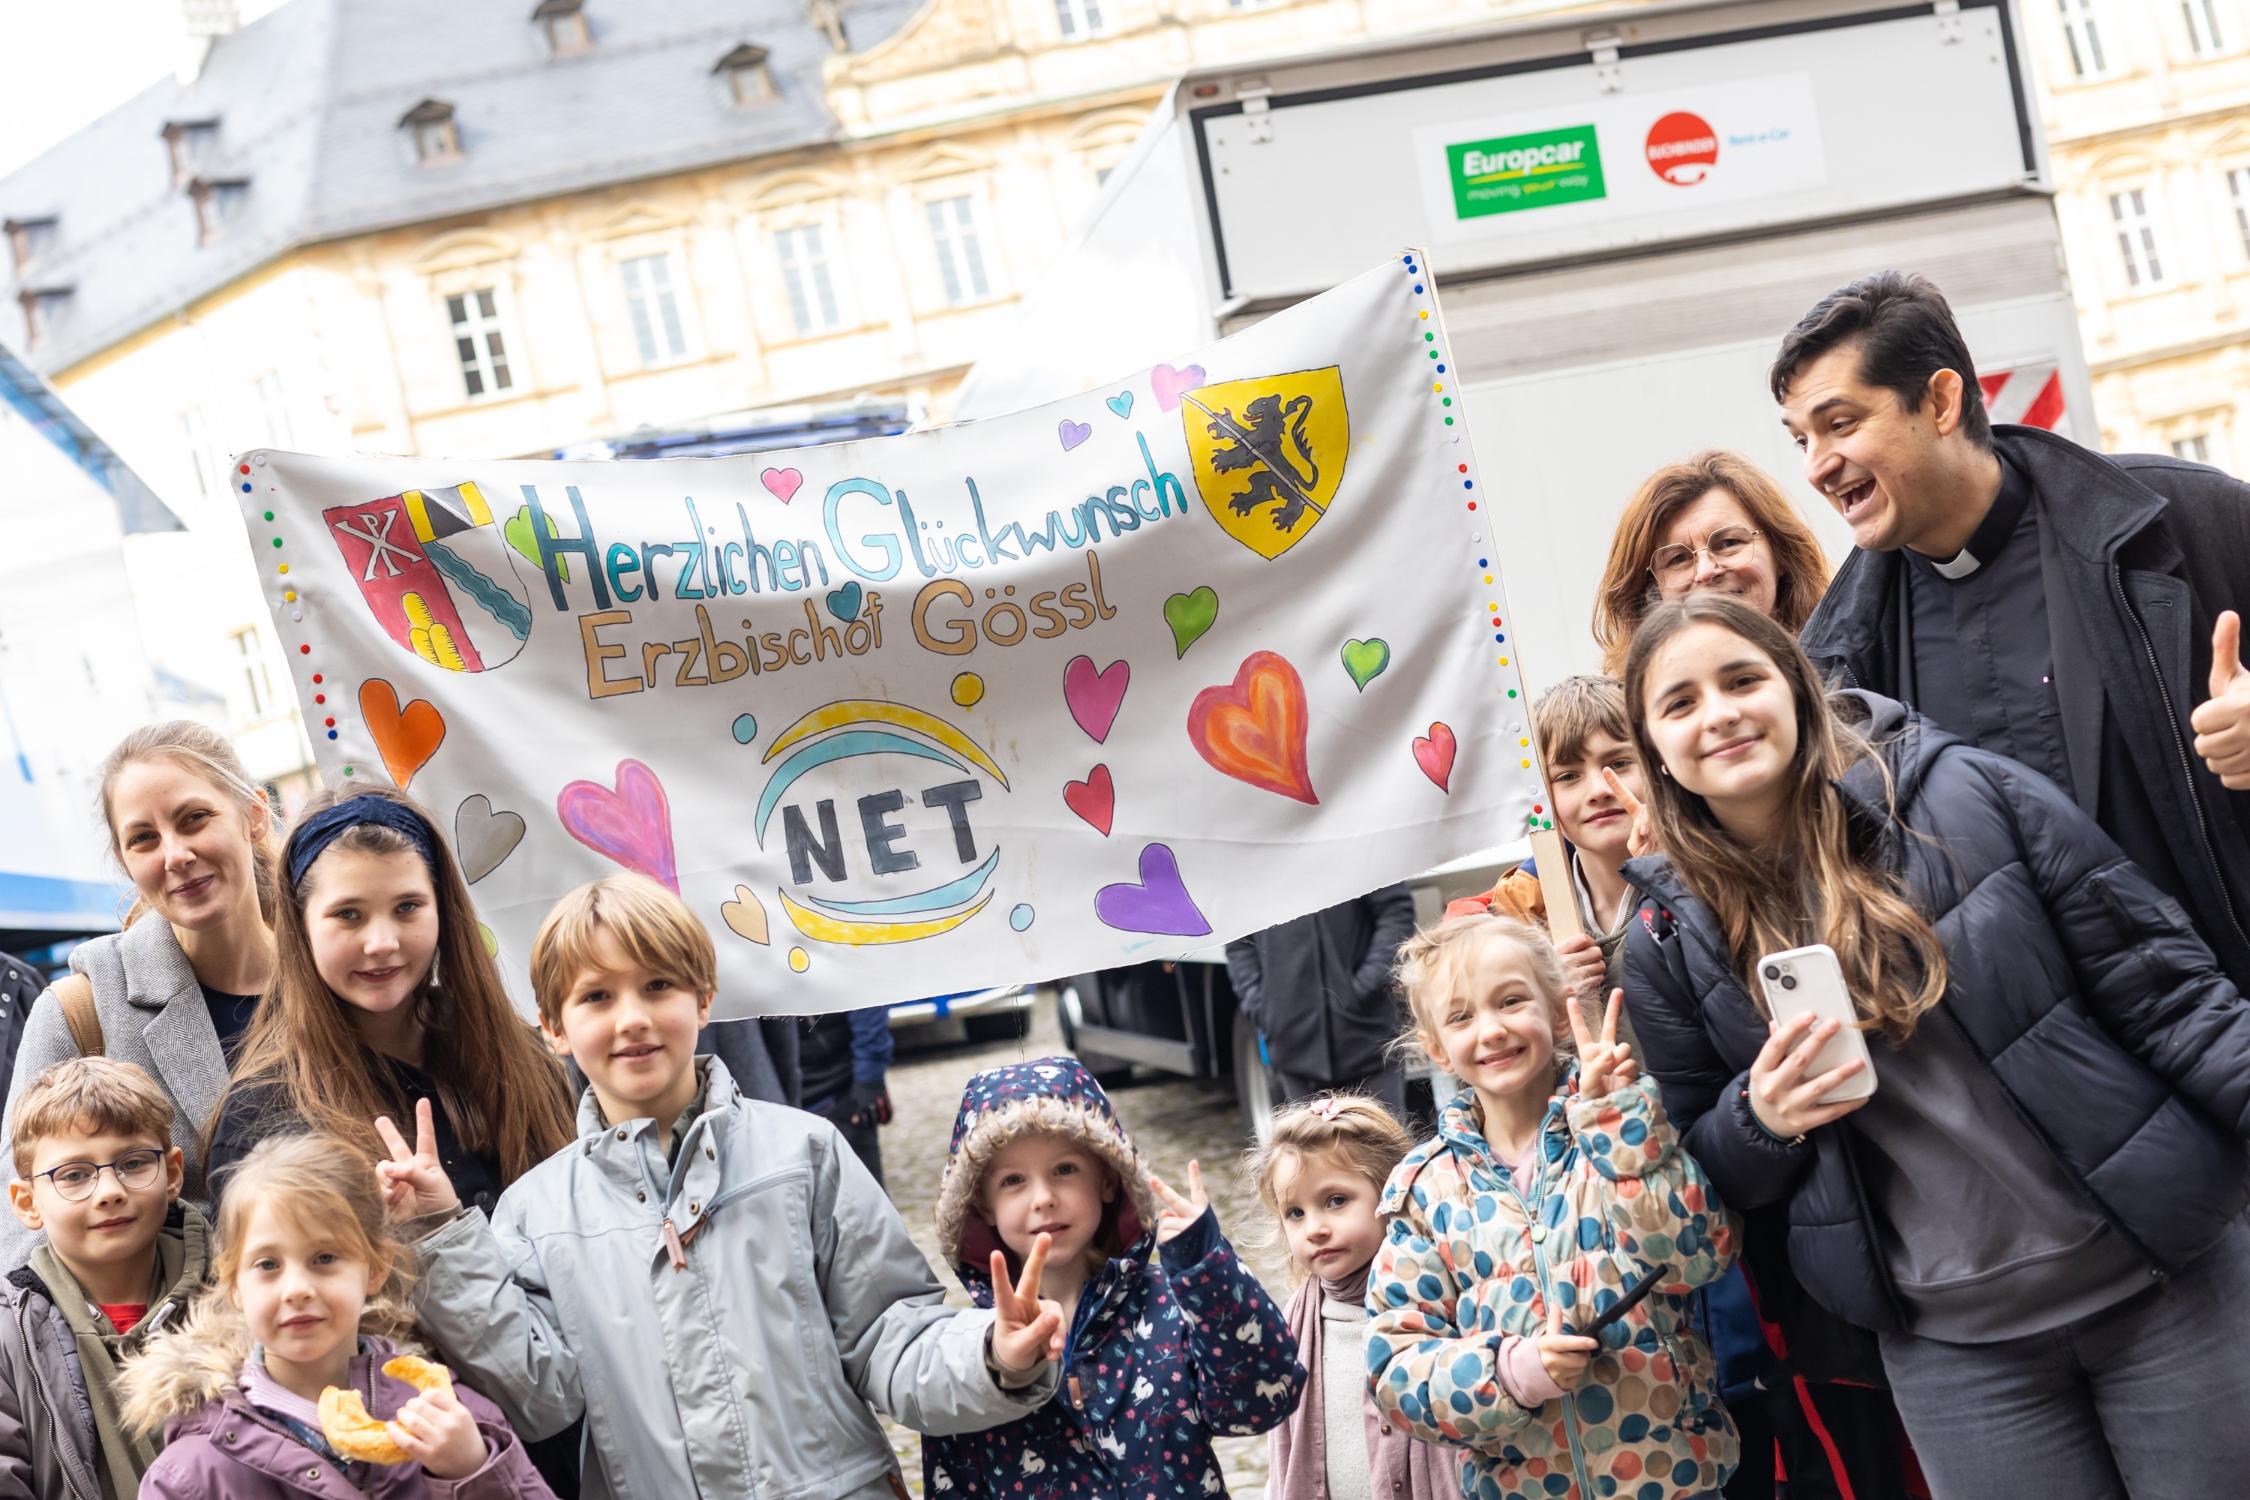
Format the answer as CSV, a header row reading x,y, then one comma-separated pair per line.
x,y
172,992
2039,1208
1713,523
383,994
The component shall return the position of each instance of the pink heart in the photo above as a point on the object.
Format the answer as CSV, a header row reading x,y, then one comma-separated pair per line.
x,y
631,825
1170,384
1434,752
1094,696
782,483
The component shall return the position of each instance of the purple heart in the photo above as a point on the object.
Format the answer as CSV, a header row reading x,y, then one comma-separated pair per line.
x,y
1072,433
1170,384
1160,903
632,825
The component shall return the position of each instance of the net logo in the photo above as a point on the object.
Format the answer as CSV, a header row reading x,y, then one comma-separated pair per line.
x,y
1682,148
1538,170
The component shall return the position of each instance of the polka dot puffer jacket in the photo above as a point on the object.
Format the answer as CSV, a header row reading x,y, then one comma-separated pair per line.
x,y
1469,1259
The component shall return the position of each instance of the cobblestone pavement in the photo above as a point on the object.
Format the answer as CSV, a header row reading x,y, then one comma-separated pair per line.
x,y
1170,1120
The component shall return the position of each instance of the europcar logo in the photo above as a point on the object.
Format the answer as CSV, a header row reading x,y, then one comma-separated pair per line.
x,y
1682,148
1515,172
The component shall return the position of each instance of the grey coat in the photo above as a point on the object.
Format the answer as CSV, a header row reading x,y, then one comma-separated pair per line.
x,y
749,1370
153,1015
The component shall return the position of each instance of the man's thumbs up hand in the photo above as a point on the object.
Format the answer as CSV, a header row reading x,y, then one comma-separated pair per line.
x,y
2222,721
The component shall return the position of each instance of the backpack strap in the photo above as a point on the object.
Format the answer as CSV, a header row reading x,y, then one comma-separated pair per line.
x,y
76,996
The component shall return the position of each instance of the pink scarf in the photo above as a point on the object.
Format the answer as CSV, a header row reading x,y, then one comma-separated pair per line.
x,y
1397,1464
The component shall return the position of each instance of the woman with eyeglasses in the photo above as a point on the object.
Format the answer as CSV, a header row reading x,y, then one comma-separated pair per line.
x,y
1712,524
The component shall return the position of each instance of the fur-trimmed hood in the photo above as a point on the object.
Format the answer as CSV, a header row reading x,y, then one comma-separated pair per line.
x,y
1050,1096
179,1373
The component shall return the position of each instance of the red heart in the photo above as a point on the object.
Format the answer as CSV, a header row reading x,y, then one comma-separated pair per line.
x,y
1434,752
1254,730
1094,799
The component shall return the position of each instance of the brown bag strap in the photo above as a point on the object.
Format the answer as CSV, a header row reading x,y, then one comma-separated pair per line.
x,y
76,995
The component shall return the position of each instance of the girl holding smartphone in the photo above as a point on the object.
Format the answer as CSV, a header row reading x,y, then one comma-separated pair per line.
x,y
2037,1212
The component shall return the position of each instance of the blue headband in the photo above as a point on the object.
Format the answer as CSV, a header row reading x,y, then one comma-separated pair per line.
x,y
311,838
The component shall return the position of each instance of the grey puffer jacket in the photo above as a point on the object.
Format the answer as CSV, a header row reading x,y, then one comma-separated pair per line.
x,y
49,1449
745,1364
154,1016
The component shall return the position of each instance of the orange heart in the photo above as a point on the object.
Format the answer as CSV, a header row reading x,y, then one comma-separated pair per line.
x,y
407,737
1254,729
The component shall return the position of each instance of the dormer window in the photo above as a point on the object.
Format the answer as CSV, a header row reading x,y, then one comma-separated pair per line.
x,y
437,138
564,22
28,239
744,72
190,143
42,306
217,200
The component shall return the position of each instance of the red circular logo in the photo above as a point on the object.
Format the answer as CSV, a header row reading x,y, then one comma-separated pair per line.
x,y
1682,148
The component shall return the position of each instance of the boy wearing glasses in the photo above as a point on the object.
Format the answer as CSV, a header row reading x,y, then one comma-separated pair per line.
x,y
96,1170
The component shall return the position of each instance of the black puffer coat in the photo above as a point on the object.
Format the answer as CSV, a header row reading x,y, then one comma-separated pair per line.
x,y
2084,989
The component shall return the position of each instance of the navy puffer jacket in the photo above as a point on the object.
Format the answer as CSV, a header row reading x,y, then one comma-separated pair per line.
x,y
2083,988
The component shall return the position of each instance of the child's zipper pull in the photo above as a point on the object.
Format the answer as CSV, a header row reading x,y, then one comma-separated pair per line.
x,y
674,1246
1077,1394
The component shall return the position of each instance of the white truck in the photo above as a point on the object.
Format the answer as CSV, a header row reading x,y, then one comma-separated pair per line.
x,y
1625,210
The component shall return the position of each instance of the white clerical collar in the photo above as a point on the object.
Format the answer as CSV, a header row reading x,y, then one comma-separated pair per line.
x,y
1957,567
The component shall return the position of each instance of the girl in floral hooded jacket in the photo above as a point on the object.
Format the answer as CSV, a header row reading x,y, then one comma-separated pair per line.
x,y
1160,1356
1553,1185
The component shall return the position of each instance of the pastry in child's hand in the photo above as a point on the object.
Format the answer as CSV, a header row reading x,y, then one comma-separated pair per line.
x,y
356,1435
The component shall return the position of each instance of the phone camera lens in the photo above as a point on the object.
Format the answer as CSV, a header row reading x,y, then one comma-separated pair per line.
x,y
1788,981
1773,971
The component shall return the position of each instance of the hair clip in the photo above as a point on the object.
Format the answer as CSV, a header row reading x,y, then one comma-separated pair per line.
x,y
1328,1108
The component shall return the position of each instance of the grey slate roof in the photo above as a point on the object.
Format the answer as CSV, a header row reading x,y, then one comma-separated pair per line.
x,y
308,101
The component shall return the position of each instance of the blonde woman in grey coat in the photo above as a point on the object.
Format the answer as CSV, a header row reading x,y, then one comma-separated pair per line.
x,y
177,985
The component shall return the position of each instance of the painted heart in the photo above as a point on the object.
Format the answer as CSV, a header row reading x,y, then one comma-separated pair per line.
x,y
1170,384
1254,729
843,603
1121,403
1072,433
1189,615
1365,660
745,916
631,825
519,534
483,838
1433,752
781,483
1158,903
1094,696
405,738
1094,799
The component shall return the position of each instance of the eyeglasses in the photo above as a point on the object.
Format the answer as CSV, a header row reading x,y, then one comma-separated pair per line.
x,y
1674,565
135,1170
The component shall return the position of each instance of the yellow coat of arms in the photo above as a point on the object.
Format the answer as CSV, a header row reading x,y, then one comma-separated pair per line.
x,y
1268,453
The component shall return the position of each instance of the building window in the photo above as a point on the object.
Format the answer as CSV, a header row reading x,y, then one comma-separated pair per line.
x,y
564,22
953,229
188,144
655,311
42,307
256,678
273,407
747,80
197,438
478,342
2136,237
2195,447
217,200
1079,18
437,138
28,239
2083,34
2204,36
804,274
2238,193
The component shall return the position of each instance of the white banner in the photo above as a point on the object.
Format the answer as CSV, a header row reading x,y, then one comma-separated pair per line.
x,y
1121,677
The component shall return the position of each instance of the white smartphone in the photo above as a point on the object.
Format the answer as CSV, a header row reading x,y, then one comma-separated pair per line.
x,y
1810,980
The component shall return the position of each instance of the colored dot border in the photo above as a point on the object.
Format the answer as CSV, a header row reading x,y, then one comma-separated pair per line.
x,y
1491,613
292,607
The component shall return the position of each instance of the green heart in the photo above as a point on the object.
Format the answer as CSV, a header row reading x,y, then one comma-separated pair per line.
x,y
1365,660
1190,615
519,534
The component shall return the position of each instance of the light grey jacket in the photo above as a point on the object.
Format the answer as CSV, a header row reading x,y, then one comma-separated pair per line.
x,y
747,1373
153,1015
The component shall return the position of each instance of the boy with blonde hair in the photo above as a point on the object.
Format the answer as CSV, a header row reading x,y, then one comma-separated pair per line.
x,y
95,1170
713,1282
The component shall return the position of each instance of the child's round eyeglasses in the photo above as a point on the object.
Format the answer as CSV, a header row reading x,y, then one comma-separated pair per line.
x,y
135,1170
